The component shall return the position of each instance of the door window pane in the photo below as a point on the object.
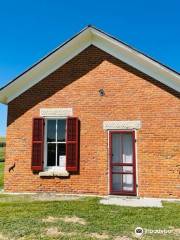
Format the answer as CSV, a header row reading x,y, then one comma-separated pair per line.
x,y
116,148
51,131
117,182
122,148
51,154
61,128
127,148
117,168
125,169
127,182
122,182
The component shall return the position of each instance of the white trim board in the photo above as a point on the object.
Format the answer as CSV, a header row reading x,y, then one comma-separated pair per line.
x,y
87,37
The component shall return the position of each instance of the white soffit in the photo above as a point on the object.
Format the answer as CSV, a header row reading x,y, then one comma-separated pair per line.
x,y
121,125
67,51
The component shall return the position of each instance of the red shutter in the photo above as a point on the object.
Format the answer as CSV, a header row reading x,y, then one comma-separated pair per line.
x,y
37,144
72,144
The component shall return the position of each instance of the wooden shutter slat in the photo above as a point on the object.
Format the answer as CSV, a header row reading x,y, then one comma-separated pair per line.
x,y
72,144
37,144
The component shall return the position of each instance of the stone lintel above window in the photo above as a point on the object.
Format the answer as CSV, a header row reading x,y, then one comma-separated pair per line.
x,y
56,112
120,125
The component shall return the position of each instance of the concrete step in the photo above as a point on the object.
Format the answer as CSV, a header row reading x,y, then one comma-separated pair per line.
x,y
131,201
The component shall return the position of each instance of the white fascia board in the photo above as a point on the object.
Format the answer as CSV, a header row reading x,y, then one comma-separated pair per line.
x,y
136,60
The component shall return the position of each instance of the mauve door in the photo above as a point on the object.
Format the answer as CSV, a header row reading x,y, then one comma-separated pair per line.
x,y
122,163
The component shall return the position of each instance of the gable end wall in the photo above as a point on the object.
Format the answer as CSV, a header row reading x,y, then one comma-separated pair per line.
x,y
129,95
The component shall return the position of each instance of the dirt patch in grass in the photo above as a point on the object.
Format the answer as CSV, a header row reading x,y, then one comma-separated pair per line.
x,y
2,237
176,231
54,232
99,236
122,238
50,219
65,219
74,219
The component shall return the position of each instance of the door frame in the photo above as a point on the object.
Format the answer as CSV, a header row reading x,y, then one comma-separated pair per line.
x,y
123,193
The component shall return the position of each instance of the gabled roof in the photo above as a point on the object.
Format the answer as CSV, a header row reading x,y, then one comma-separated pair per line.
x,y
89,36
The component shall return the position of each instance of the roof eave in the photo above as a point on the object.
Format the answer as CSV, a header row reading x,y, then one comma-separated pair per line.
x,y
71,48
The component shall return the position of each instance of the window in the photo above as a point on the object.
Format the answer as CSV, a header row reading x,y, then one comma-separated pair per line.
x,y
55,144
58,149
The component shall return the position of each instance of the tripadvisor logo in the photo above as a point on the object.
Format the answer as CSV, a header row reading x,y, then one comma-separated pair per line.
x,y
139,232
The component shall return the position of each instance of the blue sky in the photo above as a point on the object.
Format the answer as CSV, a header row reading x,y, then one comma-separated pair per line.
x,y
32,28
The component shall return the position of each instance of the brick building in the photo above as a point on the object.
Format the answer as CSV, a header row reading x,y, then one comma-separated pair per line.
x,y
94,116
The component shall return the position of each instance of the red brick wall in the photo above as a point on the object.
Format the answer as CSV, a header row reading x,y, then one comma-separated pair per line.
x,y
129,95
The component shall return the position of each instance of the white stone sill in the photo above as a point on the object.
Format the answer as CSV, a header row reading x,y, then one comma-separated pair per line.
x,y
54,173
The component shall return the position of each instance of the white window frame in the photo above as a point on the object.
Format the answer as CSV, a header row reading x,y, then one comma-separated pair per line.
x,y
47,168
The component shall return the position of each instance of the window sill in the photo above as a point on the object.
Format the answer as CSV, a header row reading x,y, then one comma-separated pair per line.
x,y
54,173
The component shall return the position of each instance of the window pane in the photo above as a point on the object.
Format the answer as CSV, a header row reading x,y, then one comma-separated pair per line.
x,y
61,153
127,148
122,148
51,131
122,182
51,154
117,169
117,182
128,182
125,169
61,129
116,148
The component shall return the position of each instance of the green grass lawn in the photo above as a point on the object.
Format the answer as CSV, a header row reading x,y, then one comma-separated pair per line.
x,y
1,174
84,218
2,149
25,219
2,139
